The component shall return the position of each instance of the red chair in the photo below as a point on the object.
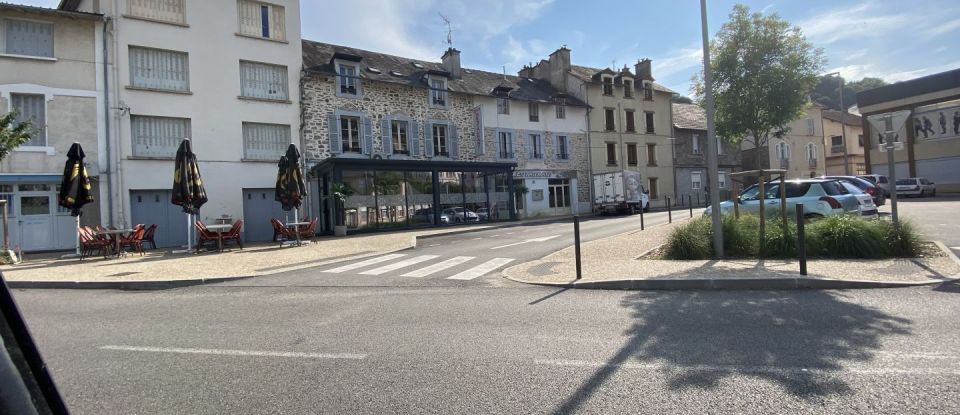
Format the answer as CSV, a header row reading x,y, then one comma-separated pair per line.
x,y
308,232
234,233
149,235
282,231
204,235
90,242
134,240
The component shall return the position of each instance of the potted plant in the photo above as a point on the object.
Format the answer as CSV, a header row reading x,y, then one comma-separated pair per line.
x,y
340,192
520,190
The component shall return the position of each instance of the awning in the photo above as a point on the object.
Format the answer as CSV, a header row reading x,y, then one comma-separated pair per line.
x,y
30,178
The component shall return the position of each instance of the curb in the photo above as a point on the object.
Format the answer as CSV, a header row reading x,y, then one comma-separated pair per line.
x,y
732,284
120,285
500,226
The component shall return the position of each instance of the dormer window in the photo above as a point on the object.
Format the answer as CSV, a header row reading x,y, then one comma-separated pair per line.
x,y
348,80
627,88
607,85
438,92
503,106
648,91
417,65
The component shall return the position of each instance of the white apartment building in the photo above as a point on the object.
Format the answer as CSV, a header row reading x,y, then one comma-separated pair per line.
x,y
223,73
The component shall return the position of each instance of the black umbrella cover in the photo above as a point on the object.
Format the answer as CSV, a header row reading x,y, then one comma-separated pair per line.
x,y
292,187
188,191
75,184
278,190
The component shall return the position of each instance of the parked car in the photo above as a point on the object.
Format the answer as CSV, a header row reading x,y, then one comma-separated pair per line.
x,y
867,207
820,198
868,187
916,186
879,180
459,215
426,216
483,214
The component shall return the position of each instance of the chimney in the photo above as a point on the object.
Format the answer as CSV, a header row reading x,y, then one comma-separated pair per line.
x,y
560,59
451,62
644,70
526,72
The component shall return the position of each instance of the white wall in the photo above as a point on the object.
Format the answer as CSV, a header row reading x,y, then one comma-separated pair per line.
x,y
519,117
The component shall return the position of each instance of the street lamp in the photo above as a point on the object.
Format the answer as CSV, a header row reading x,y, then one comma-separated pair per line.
x,y
843,124
712,153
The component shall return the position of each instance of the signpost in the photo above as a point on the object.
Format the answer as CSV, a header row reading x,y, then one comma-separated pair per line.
x,y
889,126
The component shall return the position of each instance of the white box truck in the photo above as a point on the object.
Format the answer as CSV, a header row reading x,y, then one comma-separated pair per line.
x,y
619,192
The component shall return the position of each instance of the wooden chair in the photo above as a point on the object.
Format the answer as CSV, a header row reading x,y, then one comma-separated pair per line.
x,y
282,231
307,232
277,228
234,233
149,235
90,242
204,235
134,240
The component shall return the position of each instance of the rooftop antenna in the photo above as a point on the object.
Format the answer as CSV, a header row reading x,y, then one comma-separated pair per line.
x,y
504,72
449,30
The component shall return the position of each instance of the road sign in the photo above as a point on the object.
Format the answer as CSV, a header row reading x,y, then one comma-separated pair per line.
x,y
889,126
897,145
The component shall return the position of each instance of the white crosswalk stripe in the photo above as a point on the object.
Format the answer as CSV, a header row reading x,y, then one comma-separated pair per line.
x,y
400,264
440,266
482,269
366,263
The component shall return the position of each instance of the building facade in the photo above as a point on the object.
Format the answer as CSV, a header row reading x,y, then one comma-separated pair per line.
x,y
423,143
835,125
224,75
799,151
690,161
629,122
50,75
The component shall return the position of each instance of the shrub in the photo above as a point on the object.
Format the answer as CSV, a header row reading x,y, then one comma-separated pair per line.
x,y
690,241
902,240
779,241
740,235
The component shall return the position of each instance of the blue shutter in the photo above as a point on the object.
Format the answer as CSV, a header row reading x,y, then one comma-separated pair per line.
x,y
428,138
386,141
334,133
367,135
528,145
452,141
556,147
413,138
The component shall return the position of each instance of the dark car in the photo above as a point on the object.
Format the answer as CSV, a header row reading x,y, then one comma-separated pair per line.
x,y
868,187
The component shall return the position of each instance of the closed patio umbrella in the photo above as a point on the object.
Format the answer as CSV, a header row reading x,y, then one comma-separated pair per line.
x,y
290,185
75,186
188,191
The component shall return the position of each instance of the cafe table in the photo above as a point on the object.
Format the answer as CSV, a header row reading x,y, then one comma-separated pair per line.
x,y
219,229
116,235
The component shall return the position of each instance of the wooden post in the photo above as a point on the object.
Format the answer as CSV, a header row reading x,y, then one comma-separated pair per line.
x,y
763,218
736,200
783,199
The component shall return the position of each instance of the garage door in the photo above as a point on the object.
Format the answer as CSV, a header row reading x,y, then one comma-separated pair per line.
x,y
259,206
153,206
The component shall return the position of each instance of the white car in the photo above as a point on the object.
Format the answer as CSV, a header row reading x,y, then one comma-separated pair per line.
x,y
916,186
879,180
867,207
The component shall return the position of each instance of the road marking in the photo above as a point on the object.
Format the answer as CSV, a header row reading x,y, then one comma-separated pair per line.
x,y
440,266
362,264
476,239
541,239
883,371
955,247
228,352
397,265
482,269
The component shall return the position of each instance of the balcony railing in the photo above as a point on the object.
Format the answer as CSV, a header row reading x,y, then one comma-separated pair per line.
x,y
836,149
812,163
784,164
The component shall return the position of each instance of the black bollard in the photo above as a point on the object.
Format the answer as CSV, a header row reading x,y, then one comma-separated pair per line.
x,y
576,241
641,214
669,211
690,202
801,246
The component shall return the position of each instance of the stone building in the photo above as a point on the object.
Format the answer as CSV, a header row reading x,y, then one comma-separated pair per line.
x,y
628,123
799,151
405,136
835,127
690,160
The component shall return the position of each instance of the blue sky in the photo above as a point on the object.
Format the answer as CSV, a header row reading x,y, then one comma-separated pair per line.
x,y
881,38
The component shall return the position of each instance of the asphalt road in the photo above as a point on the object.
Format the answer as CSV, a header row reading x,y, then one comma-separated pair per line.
x,y
937,217
239,350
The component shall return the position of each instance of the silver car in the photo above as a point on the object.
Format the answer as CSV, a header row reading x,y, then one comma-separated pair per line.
x,y
458,215
916,186
820,198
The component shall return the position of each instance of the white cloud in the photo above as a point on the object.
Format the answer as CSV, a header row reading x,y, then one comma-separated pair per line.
x,y
943,29
688,60
515,52
859,21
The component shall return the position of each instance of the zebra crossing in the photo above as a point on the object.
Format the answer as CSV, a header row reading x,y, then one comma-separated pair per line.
x,y
463,268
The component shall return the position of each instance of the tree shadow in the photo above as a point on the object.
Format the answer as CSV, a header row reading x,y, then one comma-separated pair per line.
x,y
799,340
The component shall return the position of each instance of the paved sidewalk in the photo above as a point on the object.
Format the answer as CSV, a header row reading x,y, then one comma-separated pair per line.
x,y
614,263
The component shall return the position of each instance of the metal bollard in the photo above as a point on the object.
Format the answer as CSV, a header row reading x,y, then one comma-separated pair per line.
x,y
669,211
576,241
641,214
690,202
801,245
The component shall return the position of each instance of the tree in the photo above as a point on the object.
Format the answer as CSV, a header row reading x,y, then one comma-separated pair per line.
x,y
865,84
12,133
680,99
827,91
763,70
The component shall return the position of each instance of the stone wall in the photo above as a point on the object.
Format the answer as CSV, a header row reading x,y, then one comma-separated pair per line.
x,y
578,162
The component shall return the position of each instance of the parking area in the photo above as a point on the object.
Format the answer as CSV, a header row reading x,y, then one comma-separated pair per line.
x,y
937,217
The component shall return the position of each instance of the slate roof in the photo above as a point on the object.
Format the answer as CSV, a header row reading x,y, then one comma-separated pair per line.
x,y
317,59
586,73
50,12
689,117
852,120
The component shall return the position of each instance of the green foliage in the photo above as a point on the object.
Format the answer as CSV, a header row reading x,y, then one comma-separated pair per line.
x,y
779,241
901,240
12,133
763,70
845,237
680,99
827,90
690,241
865,84
740,235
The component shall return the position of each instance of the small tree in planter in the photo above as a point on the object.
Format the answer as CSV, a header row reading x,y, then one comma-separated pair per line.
x,y
340,193
520,190
12,135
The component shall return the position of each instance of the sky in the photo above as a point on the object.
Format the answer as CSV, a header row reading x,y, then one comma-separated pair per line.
x,y
877,38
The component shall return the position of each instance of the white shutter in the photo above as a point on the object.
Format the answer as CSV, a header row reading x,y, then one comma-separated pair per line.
x,y
28,38
264,81
159,69
265,141
33,108
164,10
157,136
248,13
278,26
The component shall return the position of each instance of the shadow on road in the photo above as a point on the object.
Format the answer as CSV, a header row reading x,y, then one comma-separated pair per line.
x,y
799,340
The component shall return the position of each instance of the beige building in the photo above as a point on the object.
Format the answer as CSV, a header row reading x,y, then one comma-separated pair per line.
x,y
799,151
833,133
50,74
629,122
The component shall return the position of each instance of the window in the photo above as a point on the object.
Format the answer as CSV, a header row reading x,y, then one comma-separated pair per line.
x,y
536,147
561,110
261,20
631,123
350,134
534,112
607,85
810,126
811,151
170,11
836,140
158,136
783,151
27,38
32,108
265,141
695,180
503,106
650,126
648,91
438,92
609,123
719,146
721,180
631,154
505,141
440,145
860,139
563,147
6,193
695,143
159,69
398,136
348,80
653,188
611,154
263,81
627,88
559,192
651,154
